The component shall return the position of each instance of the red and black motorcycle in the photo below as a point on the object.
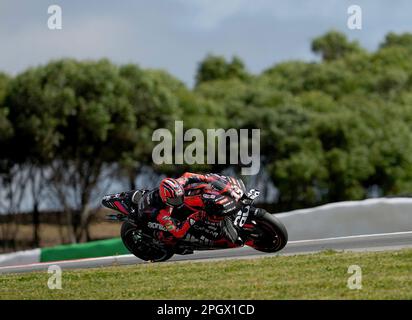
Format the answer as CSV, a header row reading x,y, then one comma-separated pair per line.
x,y
225,225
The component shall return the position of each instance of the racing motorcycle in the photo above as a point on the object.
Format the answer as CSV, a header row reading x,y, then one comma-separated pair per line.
x,y
226,225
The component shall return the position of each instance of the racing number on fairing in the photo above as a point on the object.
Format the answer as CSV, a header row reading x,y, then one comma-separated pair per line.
x,y
253,194
241,216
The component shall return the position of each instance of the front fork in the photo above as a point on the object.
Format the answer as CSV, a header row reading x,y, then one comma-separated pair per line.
x,y
243,221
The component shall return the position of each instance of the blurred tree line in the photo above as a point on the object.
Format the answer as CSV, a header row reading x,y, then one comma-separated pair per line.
x,y
333,130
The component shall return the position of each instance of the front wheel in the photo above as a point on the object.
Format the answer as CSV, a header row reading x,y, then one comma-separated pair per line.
x,y
268,234
141,245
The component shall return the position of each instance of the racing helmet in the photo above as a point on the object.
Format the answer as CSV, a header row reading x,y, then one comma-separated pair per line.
x,y
171,192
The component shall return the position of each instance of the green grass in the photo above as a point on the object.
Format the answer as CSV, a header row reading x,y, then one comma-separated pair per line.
x,y
386,275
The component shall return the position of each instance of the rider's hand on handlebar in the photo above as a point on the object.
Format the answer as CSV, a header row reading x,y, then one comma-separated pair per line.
x,y
236,193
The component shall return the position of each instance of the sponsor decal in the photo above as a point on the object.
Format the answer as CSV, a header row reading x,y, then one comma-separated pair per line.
x,y
154,225
222,201
209,196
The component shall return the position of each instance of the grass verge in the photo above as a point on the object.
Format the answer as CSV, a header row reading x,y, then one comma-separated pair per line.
x,y
385,275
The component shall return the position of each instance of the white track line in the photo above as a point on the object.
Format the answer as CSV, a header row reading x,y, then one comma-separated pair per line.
x,y
115,258
353,237
119,258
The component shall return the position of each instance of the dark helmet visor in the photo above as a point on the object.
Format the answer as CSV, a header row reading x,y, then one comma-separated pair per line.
x,y
175,202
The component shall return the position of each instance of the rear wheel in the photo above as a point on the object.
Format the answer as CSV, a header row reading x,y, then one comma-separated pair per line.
x,y
268,235
141,245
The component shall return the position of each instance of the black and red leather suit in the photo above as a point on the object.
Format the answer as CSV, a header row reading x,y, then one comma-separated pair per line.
x,y
194,206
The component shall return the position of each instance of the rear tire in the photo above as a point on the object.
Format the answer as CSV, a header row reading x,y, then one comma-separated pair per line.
x,y
273,235
139,244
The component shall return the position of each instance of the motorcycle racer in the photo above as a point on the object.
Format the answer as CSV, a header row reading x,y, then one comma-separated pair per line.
x,y
162,202
229,218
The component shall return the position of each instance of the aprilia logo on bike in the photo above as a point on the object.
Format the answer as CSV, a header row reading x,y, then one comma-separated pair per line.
x,y
154,225
238,142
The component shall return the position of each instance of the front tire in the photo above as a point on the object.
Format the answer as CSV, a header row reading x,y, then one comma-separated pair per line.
x,y
269,235
142,245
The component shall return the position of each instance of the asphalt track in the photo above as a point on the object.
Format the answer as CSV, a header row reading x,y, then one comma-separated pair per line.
x,y
374,242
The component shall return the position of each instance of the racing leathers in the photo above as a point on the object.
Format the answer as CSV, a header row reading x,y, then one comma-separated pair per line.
x,y
150,203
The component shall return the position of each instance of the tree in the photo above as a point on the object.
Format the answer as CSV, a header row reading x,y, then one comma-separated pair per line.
x,y
99,131
74,118
11,191
153,95
402,40
6,129
216,67
37,111
334,45
200,113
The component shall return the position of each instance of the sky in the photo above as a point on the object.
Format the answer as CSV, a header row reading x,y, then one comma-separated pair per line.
x,y
176,35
